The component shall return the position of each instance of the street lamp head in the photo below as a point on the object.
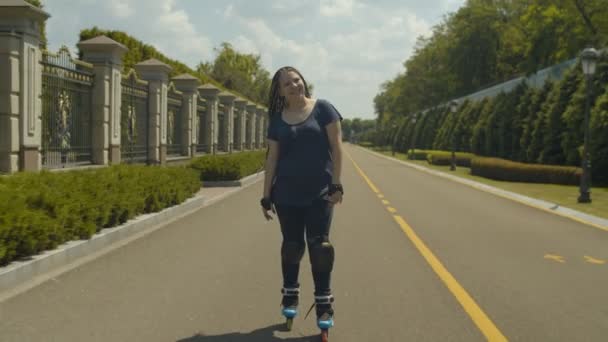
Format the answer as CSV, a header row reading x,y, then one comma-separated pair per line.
x,y
589,58
453,106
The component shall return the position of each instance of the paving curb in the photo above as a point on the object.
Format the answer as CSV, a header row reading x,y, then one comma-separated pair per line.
x,y
241,182
20,272
550,207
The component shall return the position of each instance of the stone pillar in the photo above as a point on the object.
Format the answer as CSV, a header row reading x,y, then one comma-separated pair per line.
x,y
210,94
188,84
157,75
106,56
262,124
227,99
251,114
20,86
260,127
240,106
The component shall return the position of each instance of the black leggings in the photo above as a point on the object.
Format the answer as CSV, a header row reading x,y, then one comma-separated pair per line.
x,y
314,221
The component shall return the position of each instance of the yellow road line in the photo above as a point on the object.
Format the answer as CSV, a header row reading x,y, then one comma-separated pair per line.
x,y
391,210
385,202
483,322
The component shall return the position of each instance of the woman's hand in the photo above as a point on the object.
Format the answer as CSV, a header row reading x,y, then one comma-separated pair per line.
x,y
335,194
267,206
335,198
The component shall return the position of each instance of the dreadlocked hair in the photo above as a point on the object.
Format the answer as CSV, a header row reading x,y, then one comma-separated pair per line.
x,y
276,102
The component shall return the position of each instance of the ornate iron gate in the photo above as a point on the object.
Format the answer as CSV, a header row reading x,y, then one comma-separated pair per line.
x,y
66,110
134,120
221,128
174,123
201,145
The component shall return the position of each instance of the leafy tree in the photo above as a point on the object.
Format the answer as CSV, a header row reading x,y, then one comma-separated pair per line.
x,y
598,142
521,122
241,72
139,52
553,125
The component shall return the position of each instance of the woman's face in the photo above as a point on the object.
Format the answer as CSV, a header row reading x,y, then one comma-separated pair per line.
x,y
291,85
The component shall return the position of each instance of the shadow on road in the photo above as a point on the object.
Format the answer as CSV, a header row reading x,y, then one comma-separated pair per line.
x,y
260,335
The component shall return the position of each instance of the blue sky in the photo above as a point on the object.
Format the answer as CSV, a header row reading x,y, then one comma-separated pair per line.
x,y
346,48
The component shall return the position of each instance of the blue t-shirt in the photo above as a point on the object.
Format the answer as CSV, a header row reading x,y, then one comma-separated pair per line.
x,y
304,167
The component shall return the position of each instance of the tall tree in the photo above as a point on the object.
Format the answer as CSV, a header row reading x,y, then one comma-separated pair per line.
x,y
238,71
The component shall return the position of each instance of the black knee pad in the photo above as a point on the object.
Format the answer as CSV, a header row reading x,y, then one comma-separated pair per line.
x,y
292,252
321,256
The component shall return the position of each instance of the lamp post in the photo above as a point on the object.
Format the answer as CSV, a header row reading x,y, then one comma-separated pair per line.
x,y
394,127
413,141
589,59
453,108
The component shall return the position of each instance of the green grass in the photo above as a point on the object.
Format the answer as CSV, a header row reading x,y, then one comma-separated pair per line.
x,y
564,195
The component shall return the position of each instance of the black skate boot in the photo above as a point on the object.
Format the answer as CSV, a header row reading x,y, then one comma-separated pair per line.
x,y
289,304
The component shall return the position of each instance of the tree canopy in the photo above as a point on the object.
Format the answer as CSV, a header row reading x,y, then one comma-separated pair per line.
x,y
487,42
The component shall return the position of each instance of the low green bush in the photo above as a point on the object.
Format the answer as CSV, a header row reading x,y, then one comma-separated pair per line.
x,y
39,211
417,154
445,158
506,170
228,167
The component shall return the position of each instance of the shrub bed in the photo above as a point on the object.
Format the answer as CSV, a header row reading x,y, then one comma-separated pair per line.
x,y
39,211
228,167
506,170
445,158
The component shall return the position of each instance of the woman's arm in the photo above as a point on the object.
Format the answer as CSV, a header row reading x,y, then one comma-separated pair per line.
x,y
270,166
334,133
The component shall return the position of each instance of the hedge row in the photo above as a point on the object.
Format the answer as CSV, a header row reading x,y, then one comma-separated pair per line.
x,y
506,170
445,158
502,169
228,166
39,211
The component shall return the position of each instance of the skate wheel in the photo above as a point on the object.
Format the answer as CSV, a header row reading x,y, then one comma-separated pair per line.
x,y
289,324
324,335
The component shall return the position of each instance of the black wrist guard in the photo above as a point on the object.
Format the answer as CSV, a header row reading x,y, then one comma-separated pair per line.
x,y
266,203
333,188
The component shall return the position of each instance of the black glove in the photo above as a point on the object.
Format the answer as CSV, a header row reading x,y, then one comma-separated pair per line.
x,y
266,203
333,188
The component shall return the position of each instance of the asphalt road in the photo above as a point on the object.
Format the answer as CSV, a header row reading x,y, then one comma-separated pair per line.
x,y
437,261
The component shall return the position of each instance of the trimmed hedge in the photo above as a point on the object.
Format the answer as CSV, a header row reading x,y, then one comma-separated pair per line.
x,y
39,211
506,170
445,158
419,154
228,167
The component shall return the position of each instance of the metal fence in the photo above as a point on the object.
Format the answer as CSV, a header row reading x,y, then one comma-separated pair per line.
x,y
134,119
248,135
66,110
536,80
201,144
174,122
221,126
236,130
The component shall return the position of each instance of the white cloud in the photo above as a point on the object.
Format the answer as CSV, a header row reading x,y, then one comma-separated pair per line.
x,y
277,51
245,45
287,5
171,30
228,11
392,39
346,48
120,9
335,8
